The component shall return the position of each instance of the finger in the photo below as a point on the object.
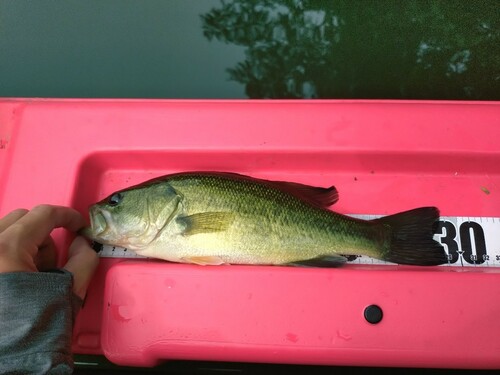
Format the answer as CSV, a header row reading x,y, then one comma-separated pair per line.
x,y
82,263
11,218
34,227
46,258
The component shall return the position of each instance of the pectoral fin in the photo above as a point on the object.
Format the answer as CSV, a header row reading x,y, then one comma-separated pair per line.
x,y
204,261
326,261
206,222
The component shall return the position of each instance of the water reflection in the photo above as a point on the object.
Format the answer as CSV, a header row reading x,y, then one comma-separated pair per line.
x,y
362,49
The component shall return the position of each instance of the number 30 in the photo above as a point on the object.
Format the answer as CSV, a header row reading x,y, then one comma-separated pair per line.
x,y
449,233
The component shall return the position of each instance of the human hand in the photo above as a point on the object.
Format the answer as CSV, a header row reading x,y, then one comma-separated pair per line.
x,y
26,244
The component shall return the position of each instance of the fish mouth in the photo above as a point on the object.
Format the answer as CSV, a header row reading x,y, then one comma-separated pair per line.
x,y
98,223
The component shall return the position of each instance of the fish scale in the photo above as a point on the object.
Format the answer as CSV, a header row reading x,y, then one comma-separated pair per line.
x,y
294,228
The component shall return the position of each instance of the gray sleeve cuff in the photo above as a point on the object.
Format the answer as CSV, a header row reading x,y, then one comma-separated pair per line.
x,y
37,311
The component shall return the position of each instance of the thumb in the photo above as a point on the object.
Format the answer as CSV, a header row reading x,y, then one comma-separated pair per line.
x,y
82,263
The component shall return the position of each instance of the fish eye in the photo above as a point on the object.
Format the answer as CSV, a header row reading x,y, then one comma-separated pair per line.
x,y
115,199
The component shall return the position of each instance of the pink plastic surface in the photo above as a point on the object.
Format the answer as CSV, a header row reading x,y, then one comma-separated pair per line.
x,y
383,157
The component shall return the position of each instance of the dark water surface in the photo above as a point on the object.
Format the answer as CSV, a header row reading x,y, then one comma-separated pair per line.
x,y
426,49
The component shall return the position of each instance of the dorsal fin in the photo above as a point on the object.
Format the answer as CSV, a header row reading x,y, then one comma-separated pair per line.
x,y
319,196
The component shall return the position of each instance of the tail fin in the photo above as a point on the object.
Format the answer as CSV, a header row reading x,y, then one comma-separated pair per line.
x,y
412,241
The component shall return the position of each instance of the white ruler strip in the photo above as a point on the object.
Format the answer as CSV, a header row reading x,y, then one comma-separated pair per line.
x,y
469,241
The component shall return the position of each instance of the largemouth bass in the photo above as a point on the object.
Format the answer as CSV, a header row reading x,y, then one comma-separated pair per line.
x,y
217,218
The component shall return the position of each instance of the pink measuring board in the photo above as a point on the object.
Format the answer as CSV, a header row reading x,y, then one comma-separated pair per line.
x,y
382,156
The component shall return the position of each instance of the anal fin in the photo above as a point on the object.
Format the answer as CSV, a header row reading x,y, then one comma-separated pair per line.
x,y
325,261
